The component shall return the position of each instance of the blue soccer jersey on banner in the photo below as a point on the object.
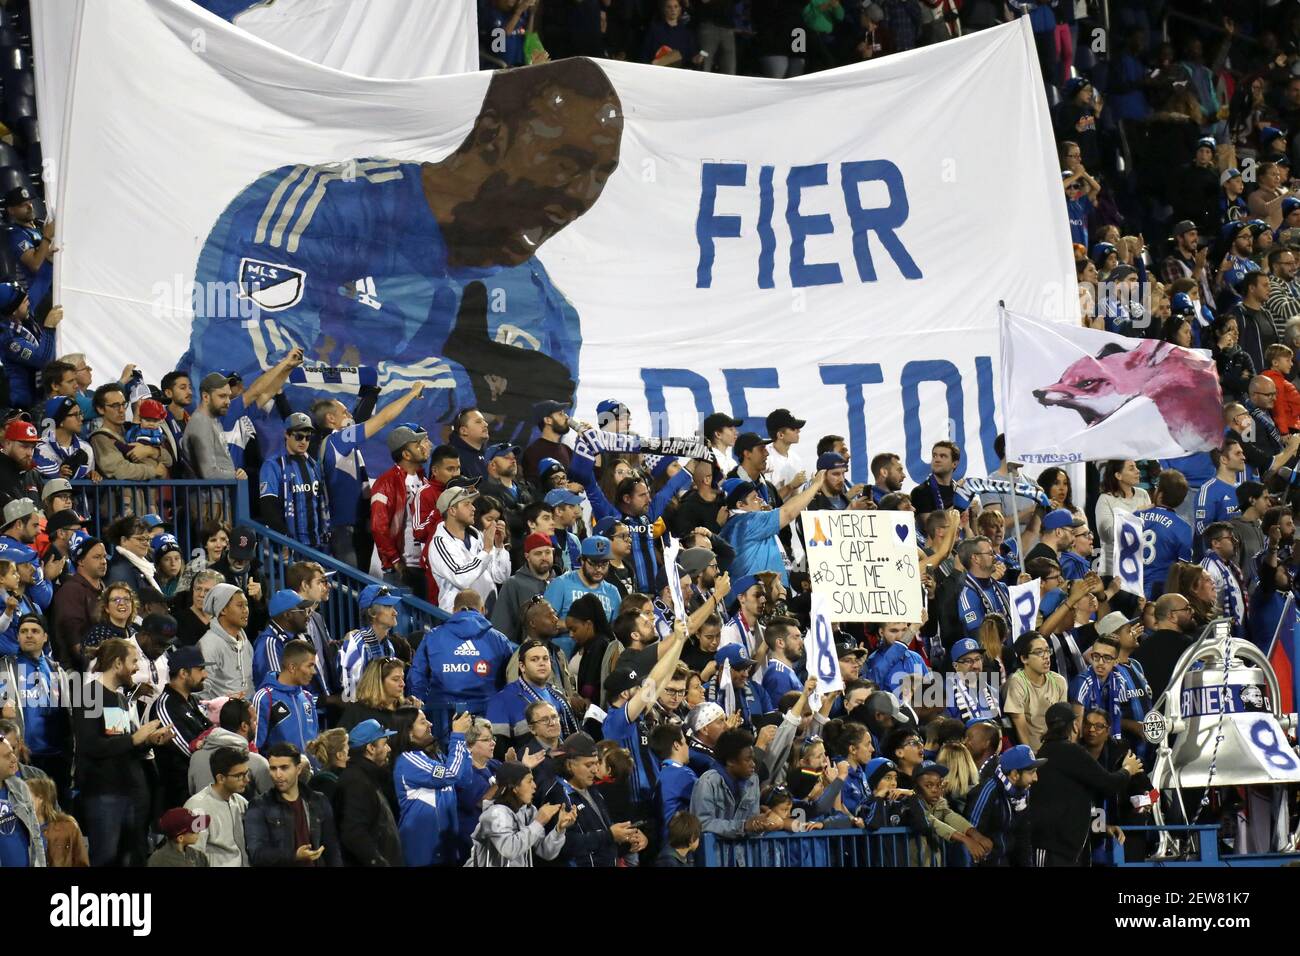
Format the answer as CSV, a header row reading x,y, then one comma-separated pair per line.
x,y
1166,538
348,261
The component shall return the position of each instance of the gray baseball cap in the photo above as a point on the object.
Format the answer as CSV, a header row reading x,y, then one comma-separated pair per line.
x,y
298,421
403,435
55,486
18,509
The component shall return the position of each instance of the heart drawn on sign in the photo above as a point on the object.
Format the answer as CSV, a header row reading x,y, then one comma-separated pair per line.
x,y
901,529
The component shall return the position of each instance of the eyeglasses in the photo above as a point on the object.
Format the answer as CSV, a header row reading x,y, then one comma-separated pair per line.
x,y
300,436
670,692
1105,658
236,776
625,536
1044,652
121,599
550,719
115,405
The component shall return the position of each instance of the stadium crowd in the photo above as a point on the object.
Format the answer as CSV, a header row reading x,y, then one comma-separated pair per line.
x,y
171,709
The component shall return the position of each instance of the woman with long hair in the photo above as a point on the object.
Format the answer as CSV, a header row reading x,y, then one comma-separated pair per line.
x,y
64,845
595,648
1056,483
1120,494
381,690
116,613
993,635
330,750
1193,583
850,741
426,786
963,775
511,830
216,539
1178,330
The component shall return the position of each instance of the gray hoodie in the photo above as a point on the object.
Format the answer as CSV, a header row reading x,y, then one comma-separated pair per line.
x,y
506,837
230,664
223,840
508,613
259,781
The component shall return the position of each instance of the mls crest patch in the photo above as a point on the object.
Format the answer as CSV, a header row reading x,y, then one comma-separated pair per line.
x,y
272,286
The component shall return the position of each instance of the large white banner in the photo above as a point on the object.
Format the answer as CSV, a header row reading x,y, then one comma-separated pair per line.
x,y
683,242
394,39
1075,394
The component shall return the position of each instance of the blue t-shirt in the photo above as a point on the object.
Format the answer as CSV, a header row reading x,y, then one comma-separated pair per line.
x,y
349,255
1078,210
1166,538
345,473
14,837
567,588
754,536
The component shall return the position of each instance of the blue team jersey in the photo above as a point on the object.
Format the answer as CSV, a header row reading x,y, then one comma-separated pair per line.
x,y
1166,538
1216,501
296,482
344,468
349,257
971,604
1074,566
24,239
779,679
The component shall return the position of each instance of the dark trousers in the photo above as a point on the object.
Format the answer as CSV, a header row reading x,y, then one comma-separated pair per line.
x,y
115,824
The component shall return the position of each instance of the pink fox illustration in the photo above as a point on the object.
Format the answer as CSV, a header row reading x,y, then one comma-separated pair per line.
x,y
1183,385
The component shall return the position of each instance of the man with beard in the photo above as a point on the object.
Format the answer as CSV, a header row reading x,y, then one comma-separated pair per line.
x,y
31,244
552,420
524,587
414,302
1162,648
111,753
784,641
836,495
393,500
939,490
503,484
177,710
887,473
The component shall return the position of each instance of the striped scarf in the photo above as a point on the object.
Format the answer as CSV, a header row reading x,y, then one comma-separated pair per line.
x,y
306,516
1107,696
567,720
1016,796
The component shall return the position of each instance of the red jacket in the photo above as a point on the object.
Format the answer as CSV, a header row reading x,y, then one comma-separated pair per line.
x,y
1286,411
389,512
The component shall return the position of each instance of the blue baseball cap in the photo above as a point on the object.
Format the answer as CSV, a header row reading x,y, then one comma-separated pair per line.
x,y
1230,173
597,548
153,521
182,657
16,552
11,296
830,460
1100,251
1289,205
1019,757
1074,84
1182,304
734,653
57,409
610,411
561,496
548,465
1206,141
1057,518
1270,133
737,490
605,526
367,732
379,594
543,409
740,586
929,766
500,450
967,645
877,767
661,464
284,601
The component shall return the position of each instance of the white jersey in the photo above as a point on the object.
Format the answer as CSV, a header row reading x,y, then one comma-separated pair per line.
x,y
460,564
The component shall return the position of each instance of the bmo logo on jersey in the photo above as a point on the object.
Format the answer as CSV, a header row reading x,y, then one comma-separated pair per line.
x,y
482,667
455,668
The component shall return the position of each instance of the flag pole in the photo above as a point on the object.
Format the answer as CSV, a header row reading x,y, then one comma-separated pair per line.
x,y
1012,469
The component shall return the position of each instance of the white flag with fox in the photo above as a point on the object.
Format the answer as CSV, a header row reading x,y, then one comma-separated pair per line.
x,y
1075,394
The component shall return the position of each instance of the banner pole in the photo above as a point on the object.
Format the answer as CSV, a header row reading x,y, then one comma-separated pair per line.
x,y
1012,469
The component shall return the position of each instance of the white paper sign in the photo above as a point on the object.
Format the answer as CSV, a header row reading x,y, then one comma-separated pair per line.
x,y
864,562
823,660
672,547
1025,601
1128,552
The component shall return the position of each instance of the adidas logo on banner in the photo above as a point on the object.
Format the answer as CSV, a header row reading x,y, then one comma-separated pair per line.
x,y
467,649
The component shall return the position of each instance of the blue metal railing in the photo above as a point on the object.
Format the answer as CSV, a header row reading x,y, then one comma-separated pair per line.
x,y
184,504
275,552
892,846
187,504
1200,846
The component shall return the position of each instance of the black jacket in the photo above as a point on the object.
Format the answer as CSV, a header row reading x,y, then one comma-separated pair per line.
x,y
1158,655
16,483
1061,802
367,828
588,842
268,830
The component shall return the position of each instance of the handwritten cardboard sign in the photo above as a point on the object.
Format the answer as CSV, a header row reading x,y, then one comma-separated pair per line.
x,y
865,564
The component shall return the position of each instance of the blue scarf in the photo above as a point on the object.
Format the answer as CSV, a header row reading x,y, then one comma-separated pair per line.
x,y
567,721
959,501
1094,694
1016,796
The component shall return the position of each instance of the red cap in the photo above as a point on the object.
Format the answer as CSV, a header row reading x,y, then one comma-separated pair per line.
x,y
179,820
152,408
537,540
19,430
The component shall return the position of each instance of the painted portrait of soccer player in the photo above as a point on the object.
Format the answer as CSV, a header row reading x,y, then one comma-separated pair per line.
x,y
424,271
